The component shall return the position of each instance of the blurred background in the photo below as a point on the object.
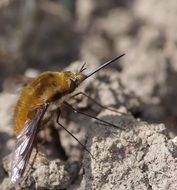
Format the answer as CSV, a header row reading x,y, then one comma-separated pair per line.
x,y
49,35
41,35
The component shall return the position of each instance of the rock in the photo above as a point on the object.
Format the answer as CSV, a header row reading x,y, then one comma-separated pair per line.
x,y
137,158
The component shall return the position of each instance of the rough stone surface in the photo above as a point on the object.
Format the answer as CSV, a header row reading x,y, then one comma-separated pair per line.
x,y
138,158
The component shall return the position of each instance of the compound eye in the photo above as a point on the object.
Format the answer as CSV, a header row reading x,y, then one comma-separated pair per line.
x,y
72,85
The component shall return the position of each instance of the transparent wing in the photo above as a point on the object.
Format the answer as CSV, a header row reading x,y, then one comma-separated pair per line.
x,y
24,144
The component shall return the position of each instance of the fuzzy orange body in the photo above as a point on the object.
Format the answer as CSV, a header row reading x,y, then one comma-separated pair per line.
x,y
47,87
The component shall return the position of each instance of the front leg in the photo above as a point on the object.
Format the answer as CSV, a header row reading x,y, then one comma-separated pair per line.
x,y
97,103
91,116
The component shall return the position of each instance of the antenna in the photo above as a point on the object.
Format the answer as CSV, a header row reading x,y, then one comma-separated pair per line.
x,y
102,66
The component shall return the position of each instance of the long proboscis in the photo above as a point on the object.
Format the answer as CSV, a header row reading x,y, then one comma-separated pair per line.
x,y
103,65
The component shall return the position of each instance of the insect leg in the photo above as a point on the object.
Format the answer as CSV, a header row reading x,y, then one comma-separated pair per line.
x,y
99,104
91,116
58,117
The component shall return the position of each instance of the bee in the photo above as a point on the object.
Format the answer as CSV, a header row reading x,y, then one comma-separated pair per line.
x,y
33,103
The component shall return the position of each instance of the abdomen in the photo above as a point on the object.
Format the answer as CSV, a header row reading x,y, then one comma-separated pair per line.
x,y
46,88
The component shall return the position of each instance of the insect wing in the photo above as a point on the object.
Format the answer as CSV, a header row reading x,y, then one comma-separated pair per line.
x,y
24,144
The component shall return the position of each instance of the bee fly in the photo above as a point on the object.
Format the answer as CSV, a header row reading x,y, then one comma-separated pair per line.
x,y
32,104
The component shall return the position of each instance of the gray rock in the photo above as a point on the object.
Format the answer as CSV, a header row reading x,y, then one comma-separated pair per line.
x,y
137,158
